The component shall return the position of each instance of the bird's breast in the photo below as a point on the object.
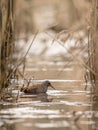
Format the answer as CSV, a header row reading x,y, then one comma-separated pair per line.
x,y
41,89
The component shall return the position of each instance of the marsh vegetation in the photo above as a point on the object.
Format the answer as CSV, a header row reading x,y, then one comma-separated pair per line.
x,y
49,40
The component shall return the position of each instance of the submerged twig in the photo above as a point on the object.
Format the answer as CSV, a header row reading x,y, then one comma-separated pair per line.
x,y
17,97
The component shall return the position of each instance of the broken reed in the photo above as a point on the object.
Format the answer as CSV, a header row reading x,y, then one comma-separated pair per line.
x,y
7,42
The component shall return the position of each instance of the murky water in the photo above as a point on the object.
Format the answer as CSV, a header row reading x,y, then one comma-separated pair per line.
x,y
68,107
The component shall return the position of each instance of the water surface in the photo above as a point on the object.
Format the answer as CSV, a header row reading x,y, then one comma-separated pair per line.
x,y
69,106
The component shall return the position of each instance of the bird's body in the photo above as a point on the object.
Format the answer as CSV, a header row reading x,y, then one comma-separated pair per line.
x,y
37,88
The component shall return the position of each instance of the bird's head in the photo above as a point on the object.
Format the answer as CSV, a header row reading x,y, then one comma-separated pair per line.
x,y
48,84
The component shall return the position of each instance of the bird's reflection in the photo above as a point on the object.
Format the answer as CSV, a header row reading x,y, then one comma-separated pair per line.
x,y
43,97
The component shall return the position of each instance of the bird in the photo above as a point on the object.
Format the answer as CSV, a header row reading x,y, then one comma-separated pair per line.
x,y
37,88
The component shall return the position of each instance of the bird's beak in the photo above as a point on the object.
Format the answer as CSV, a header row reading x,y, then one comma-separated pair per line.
x,y
52,86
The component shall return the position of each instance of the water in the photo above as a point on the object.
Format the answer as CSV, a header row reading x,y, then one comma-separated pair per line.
x,y
68,107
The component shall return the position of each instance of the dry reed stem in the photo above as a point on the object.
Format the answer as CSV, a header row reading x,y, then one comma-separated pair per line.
x,y
83,64
22,60
7,43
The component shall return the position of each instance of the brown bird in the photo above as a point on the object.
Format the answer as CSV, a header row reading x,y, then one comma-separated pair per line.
x,y
37,88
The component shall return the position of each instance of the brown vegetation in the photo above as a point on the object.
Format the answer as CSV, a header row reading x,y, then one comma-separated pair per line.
x,y
7,43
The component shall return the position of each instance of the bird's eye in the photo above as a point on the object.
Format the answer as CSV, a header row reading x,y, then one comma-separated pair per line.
x,y
48,83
